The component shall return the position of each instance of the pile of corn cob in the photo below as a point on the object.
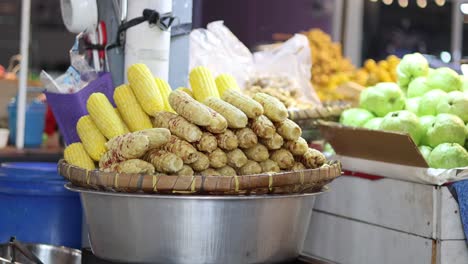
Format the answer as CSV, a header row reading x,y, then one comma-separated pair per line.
x,y
212,129
284,88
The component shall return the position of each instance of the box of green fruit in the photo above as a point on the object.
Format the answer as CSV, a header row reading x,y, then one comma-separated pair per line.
x,y
419,124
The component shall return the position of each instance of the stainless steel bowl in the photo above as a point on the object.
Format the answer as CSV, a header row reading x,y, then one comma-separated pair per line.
x,y
46,253
140,228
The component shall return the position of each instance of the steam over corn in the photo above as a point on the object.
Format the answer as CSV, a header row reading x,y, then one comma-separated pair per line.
x,y
203,84
130,110
144,87
104,115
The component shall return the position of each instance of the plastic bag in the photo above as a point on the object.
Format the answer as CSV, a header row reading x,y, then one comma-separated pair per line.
x,y
77,76
219,49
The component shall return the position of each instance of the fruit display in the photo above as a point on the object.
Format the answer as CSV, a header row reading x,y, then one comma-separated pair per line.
x,y
282,87
211,129
428,104
330,69
374,72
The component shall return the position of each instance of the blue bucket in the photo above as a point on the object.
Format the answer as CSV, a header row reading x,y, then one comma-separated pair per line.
x,y
34,123
35,206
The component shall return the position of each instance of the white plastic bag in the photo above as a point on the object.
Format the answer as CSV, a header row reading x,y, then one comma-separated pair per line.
x,y
219,49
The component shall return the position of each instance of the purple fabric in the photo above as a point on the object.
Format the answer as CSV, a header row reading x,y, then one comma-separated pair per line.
x,y
68,108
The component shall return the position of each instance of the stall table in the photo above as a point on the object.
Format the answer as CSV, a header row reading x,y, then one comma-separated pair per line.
x,y
372,219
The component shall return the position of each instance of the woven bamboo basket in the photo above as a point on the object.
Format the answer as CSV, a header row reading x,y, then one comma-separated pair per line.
x,y
308,118
306,181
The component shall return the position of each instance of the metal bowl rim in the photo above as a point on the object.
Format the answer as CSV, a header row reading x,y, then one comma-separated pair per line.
x,y
72,251
73,188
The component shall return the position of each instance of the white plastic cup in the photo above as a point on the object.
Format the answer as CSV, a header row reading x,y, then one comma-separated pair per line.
x,y
4,137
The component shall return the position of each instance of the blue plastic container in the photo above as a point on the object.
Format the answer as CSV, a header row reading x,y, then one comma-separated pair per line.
x,y
34,126
35,206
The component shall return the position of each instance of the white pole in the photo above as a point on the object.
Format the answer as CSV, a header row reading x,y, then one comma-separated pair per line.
x,y
23,73
145,44
337,20
353,31
457,31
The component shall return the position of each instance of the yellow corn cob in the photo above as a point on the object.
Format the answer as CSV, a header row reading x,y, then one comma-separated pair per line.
x,y
233,115
145,89
203,84
164,90
246,104
274,109
104,115
126,130
224,82
75,154
131,112
93,140
185,90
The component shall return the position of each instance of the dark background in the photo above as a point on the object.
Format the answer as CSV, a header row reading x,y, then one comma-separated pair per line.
x,y
386,28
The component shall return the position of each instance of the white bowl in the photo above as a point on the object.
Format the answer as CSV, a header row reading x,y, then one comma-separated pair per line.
x,y
4,137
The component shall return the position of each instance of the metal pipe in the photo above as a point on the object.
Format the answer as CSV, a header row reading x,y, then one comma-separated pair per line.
x,y
457,31
23,74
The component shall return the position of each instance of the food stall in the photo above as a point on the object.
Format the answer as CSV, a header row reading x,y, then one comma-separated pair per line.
x,y
202,148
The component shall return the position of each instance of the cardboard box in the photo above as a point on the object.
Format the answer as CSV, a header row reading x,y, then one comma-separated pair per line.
x,y
383,153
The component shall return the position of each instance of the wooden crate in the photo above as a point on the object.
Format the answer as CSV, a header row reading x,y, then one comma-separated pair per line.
x,y
386,221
